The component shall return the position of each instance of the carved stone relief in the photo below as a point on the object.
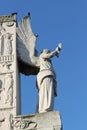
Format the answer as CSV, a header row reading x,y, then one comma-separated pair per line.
x,y
8,72
6,40
6,121
6,58
8,44
6,49
2,29
2,119
8,91
9,121
6,64
25,124
2,32
9,24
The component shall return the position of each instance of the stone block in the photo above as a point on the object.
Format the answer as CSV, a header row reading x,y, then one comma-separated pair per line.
x,y
42,121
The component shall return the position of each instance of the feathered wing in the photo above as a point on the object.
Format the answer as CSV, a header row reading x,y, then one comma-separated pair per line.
x,y
26,44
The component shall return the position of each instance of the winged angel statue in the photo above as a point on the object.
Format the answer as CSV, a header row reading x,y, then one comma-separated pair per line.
x,y
30,63
26,47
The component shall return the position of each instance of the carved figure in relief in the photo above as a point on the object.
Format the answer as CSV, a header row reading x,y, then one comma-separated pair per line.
x,y
7,121
2,31
5,41
9,89
2,119
8,44
10,121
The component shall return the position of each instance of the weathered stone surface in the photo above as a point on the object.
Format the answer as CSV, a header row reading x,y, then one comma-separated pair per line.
x,y
8,18
9,75
42,121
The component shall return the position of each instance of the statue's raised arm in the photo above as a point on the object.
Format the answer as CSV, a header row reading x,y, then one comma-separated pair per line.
x,y
48,54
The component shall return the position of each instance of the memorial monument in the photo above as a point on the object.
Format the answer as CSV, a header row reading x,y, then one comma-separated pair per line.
x,y
18,54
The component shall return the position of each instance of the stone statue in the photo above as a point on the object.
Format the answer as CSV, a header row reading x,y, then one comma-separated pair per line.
x,y
40,65
46,80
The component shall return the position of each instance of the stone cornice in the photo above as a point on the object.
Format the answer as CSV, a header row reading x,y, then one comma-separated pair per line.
x,y
8,18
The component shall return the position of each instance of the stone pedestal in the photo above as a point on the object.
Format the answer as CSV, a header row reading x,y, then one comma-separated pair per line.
x,y
42,121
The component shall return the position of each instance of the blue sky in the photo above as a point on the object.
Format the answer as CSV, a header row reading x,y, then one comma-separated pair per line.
x,y
58,21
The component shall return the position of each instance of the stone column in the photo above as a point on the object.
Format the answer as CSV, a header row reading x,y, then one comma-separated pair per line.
x,y
9,75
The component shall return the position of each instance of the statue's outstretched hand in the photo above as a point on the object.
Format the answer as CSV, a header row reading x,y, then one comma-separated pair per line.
x,y
59,46
58,49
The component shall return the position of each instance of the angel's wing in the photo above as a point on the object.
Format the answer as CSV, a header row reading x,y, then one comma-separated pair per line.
x,y
26,44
